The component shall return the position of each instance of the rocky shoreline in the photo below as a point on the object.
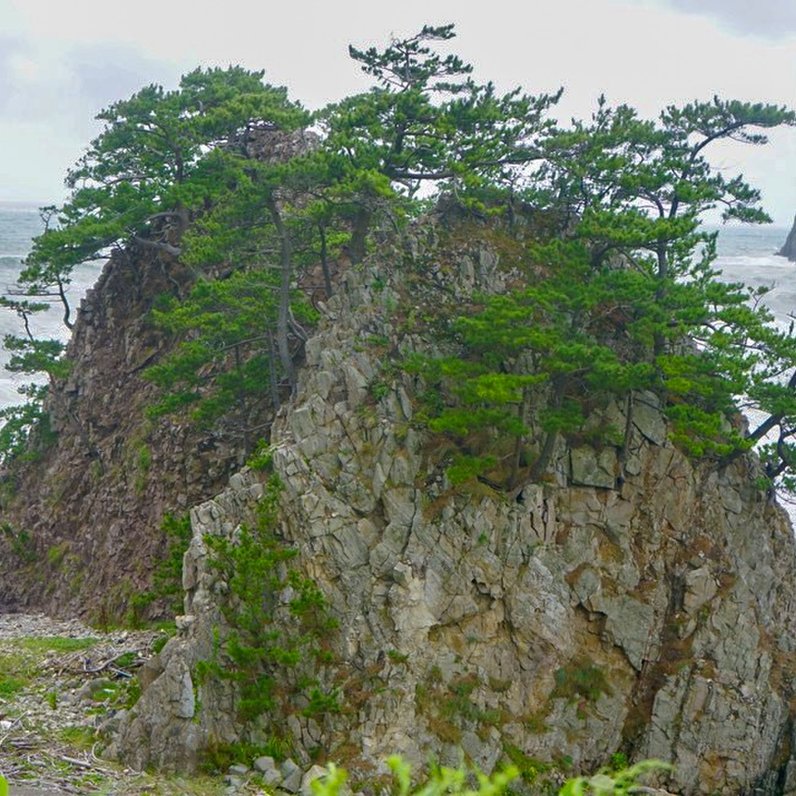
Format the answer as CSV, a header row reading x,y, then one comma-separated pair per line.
x,y
61,686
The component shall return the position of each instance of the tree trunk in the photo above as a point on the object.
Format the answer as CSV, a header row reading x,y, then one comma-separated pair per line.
x,y
283,316
517,453
272,372
240,399
327,276
359,235
540,465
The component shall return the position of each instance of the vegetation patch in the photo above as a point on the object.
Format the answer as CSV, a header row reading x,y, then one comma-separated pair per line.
x,y
57,643
166,588
580,681
450,708
278,645
10,685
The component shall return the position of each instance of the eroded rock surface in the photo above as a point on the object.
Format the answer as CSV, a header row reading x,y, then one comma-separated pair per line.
x,y
82,522
651,612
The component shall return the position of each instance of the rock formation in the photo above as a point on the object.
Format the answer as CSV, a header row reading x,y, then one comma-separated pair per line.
x,y
84,517
652,614
789,249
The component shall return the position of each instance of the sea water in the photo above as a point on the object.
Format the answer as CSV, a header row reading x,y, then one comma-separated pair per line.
x,y
749,255
19,224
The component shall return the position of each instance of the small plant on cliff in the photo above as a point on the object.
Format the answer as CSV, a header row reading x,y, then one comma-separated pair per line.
x,y
279,620
167,577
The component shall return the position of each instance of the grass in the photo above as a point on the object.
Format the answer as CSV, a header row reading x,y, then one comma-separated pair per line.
x,y
57,644
24,669
16,672
78,737
10,685
20,662
580,679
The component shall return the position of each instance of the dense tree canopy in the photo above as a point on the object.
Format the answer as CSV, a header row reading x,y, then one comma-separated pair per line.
x,y
619,294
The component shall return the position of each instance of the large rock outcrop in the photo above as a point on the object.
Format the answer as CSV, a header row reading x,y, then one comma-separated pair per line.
x,y
789,249
652,613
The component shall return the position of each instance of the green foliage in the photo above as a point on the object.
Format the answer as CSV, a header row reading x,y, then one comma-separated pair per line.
x,y
463,781
276,646
606,783
220,756
612,294
221,319
262,458
623,300
26,432
426,121
580,680
221,371
151,171
465,468
441,780
19,542
57,644
79,737
167,576
36,356
151,166
10,685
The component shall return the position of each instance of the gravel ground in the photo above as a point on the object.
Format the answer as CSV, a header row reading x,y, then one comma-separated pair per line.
x,y
60,682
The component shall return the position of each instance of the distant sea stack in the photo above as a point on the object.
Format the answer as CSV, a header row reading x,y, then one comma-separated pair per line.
x,y
789,249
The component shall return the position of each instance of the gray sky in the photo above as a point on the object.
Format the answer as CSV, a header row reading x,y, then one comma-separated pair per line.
x,y
61,62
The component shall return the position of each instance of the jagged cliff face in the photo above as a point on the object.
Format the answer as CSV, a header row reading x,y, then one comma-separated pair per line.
x,y
789,248
85,518
651,614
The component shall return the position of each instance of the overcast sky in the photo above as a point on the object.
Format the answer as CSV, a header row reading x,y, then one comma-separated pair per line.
x,y
61,62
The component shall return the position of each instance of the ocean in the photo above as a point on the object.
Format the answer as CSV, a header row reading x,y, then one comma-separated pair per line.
x,y
19,224
746,254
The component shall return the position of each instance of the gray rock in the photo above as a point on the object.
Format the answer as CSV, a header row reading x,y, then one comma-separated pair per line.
x,y
265,763
461,610
291,776
238,770
648,418
789,247
271,777
316,772
700,588
594,468
629,624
